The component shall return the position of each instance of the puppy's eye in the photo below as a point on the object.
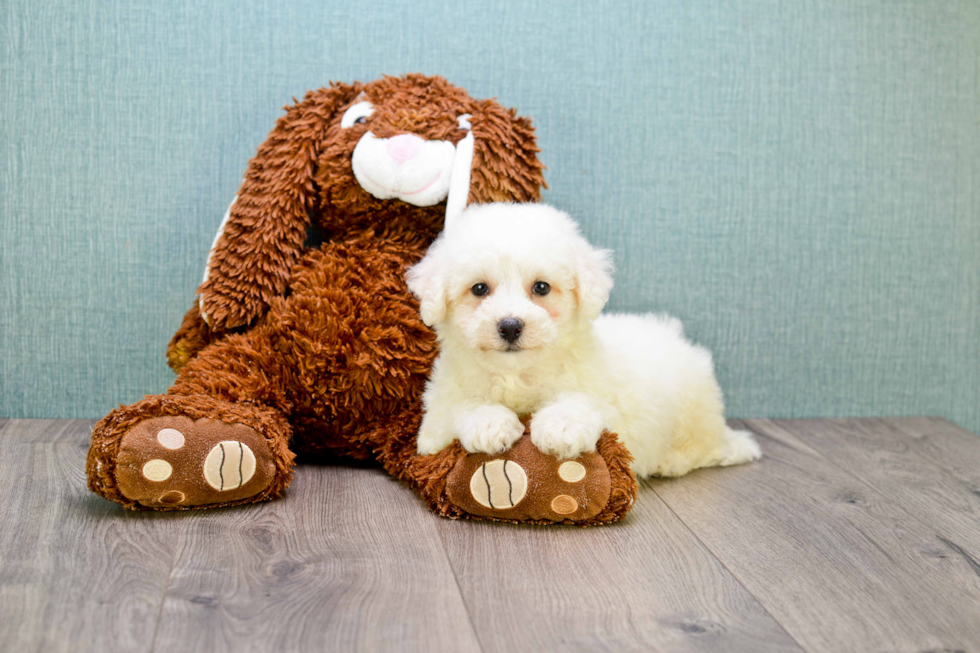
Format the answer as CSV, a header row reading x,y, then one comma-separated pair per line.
x,y
480,289
361,120
541,288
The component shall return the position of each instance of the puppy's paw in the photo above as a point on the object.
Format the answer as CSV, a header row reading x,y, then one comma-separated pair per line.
x,y
489,429
431,441
566,429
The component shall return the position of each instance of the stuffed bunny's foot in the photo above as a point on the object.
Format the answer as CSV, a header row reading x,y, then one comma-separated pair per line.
x,y
523,484
169,452
175,461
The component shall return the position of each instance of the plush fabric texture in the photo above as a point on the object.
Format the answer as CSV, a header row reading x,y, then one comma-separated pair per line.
x,y
321,350
159,462
533,489
109,432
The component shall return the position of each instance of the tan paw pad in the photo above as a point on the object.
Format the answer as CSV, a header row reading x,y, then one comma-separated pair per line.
x,y
229,465
157,470
571,471
173,497
170,439
564,504
498,484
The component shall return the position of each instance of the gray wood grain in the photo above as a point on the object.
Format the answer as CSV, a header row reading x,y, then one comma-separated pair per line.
x,y
849,535
841,566
25,431
951,447
349,561
898,465
77,572
643,584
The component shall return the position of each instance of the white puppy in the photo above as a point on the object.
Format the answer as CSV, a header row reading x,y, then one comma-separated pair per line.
x,y
514,293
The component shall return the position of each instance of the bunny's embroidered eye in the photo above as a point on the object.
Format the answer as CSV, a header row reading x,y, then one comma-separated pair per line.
x,y
480,289
357,114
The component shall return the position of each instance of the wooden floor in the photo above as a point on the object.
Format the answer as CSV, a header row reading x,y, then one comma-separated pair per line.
x,y
849,535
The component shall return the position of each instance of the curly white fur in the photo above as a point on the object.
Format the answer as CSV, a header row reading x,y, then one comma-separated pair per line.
x,y
575,371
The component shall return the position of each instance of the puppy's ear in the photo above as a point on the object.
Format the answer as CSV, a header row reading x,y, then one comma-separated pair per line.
x,y
427,281
593,279
263,233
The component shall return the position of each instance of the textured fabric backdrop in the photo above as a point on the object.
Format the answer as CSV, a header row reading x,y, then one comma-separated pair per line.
x,y
799,182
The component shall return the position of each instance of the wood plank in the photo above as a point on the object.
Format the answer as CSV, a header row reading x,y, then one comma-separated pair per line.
x,y
853,534
950,446
24,431
898,466
349,560
643,584
79,573
841,566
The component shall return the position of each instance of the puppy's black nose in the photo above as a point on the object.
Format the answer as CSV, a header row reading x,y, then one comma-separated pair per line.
x,y
510,328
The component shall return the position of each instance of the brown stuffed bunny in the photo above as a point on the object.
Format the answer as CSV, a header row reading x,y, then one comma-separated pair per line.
x,y
294,347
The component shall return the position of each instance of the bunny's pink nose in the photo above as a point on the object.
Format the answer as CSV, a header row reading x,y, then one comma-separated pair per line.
x,y
404,147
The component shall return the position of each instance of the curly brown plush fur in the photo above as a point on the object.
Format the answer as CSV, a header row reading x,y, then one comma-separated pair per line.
x,y
321,350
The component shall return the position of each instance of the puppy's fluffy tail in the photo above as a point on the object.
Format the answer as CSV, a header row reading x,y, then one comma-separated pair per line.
x,y
739,447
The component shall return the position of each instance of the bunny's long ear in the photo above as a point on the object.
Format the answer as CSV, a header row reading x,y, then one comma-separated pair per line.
x,y
263,233
505,162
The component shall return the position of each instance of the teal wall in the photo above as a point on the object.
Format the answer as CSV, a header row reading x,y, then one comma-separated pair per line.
x,y
798,181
